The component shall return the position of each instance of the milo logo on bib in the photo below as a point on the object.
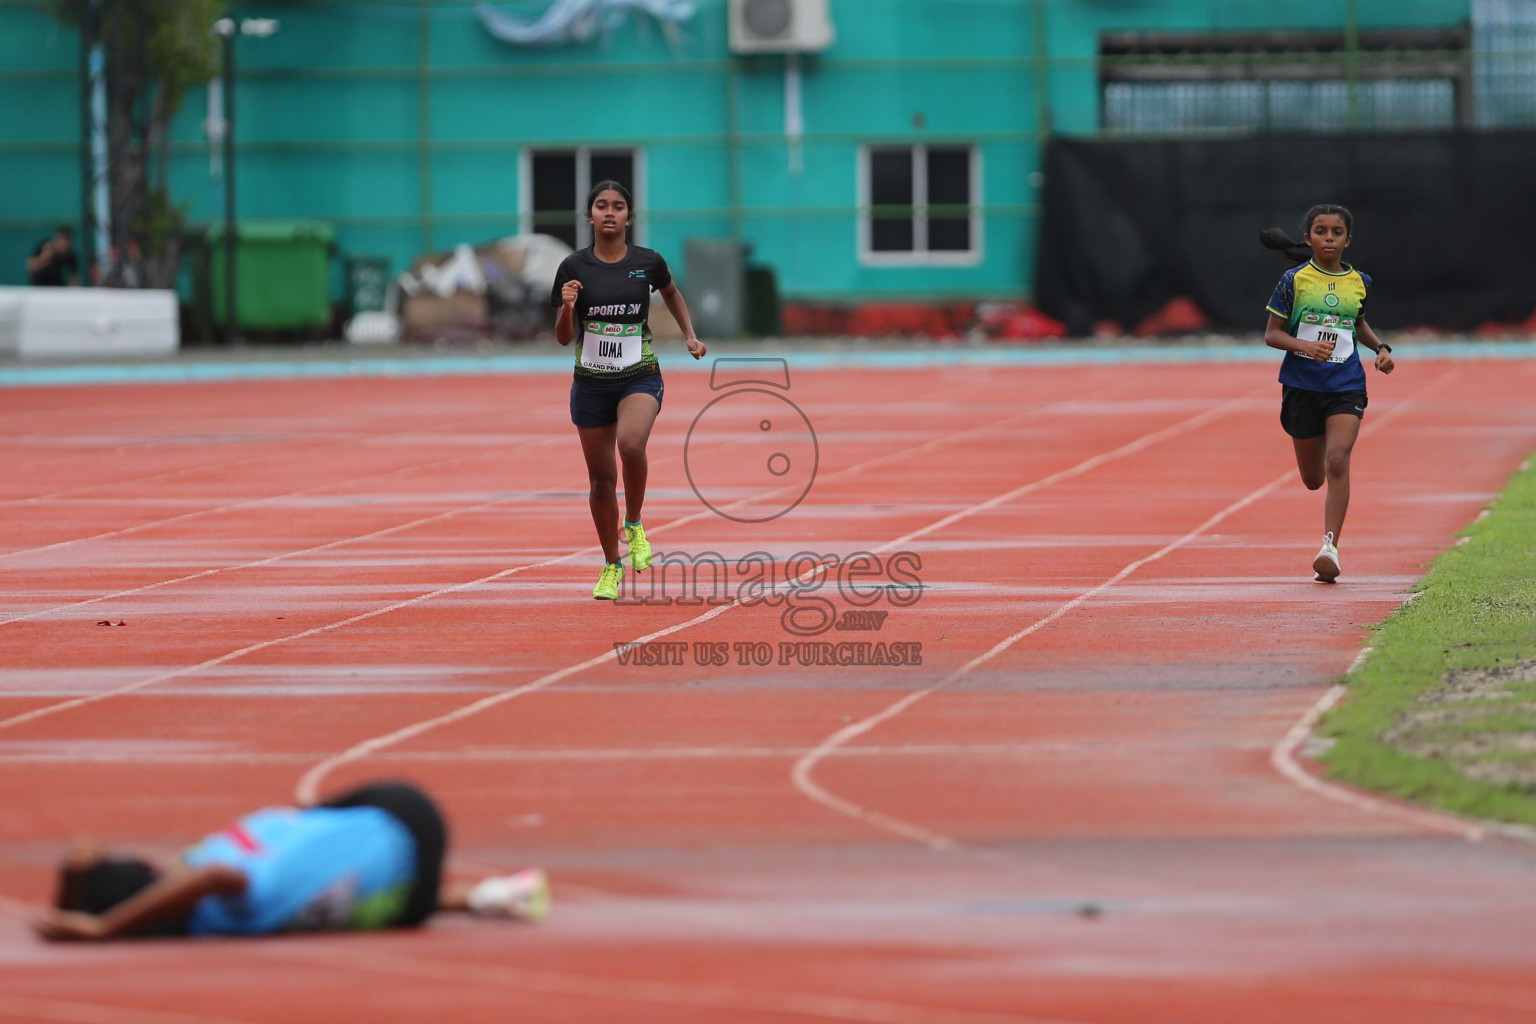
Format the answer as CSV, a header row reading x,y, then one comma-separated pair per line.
x,y
611,346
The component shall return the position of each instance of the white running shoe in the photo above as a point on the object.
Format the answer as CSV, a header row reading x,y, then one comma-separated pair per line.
x,y
1326,564
523,896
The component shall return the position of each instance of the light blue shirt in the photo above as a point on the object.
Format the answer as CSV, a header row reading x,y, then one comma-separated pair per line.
x,y
320,868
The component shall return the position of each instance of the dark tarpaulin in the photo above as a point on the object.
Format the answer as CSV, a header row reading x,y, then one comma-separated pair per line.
x,y
1445,225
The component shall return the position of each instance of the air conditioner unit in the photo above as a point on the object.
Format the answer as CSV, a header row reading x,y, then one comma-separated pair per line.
x,y
779,26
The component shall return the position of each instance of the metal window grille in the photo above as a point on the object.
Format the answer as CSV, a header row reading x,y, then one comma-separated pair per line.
x,y
1504,62
1161,82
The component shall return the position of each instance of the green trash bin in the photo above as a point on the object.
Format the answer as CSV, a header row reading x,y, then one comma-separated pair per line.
x,y
367,283
282,269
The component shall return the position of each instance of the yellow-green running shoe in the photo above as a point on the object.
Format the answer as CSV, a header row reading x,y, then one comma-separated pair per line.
x,y
607,587
639,547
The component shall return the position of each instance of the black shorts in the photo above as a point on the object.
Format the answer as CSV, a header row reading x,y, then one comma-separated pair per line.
x,y
416,811
1305,413
596,403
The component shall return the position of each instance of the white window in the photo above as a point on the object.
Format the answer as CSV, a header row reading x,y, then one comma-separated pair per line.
x,y
555,184
919,205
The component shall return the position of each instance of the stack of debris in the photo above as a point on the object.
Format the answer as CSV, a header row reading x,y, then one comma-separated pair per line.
x,y
499,290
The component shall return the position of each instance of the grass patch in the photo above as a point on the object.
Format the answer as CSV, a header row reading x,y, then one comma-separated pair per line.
x,y
1443,712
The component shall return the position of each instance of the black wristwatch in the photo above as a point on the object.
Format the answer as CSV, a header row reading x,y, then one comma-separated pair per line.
x,y
1383,347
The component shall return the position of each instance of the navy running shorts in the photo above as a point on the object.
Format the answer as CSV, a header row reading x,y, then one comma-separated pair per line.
x,y
596,403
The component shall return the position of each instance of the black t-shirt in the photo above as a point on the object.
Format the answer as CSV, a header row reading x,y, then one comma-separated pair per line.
x,y
613,339
55,273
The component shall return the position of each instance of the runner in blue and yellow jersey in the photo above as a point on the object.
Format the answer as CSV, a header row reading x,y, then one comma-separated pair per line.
x,y
1316,316
603,293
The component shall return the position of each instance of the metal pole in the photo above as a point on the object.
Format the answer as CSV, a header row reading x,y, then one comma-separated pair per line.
x,y
101,156
794,114
1352,60
231,331
1042,74
86,249
733,143
95,179
424,123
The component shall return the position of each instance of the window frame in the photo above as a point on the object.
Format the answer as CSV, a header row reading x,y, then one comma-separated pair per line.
x,y
583,154
920,255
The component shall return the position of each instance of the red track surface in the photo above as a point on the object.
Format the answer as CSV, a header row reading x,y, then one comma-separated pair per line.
x,y
1083,826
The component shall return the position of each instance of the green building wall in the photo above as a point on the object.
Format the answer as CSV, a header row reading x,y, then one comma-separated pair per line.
x,y
402,123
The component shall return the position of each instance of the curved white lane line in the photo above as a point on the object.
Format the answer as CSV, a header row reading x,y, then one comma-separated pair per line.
x,y
309,784
1284,760
1282,756
800,774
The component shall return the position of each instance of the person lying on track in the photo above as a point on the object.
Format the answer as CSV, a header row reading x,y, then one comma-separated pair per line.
x,y
371,858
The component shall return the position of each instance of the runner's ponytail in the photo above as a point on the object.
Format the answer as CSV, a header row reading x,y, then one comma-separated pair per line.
x,y
1274,238
1300,252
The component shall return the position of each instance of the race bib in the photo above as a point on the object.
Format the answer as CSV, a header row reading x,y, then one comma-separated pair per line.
x,y
610,346
1343,339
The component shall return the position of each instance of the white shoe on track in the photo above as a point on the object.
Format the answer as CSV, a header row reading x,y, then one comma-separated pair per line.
x,y
523,896
1326,564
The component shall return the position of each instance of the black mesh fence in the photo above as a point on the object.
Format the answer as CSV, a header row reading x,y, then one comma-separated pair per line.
x,y
1445,224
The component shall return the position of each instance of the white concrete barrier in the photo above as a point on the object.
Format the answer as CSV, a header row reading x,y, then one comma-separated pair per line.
x,y
68,323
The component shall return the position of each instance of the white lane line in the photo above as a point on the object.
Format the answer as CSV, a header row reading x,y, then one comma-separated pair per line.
x,y
169,474
1283,758
453,512
42,712
72,455
72,1011
256,502
463,510
801,773
309,785
1099,749
724,998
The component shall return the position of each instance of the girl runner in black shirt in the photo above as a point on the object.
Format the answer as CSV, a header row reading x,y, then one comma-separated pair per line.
x,y
604,296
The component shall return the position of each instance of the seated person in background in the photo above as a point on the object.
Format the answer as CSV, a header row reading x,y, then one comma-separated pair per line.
x,y
53,263
369,859
124,268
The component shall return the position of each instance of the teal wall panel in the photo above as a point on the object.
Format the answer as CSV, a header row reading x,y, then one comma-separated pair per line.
x,y
950,28
911,102
333,38
32,41
326,111
465,184
41,187
309,185
40,111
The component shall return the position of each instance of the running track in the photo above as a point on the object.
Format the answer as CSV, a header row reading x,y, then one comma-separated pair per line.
x,y
1069,812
